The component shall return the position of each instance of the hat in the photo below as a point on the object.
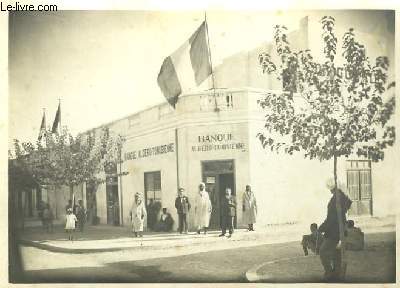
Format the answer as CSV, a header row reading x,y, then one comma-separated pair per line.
x,y
330,183
69,209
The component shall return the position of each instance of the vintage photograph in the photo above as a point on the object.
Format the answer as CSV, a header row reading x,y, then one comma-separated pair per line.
x,y
202,146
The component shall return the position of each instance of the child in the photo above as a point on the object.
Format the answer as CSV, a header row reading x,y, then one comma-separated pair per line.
x,y
312,241
354,237
70,223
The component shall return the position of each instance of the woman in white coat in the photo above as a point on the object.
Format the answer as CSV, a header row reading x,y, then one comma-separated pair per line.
x,y
249,208
138,215
202,209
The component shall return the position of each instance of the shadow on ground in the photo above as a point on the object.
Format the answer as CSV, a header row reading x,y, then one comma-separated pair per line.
x,y
376,264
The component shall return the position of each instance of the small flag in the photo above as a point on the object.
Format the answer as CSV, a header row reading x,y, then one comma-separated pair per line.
x,y
42,127
56,119
187,67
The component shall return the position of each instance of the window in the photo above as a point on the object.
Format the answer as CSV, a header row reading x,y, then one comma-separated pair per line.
x,y
359,180
152,186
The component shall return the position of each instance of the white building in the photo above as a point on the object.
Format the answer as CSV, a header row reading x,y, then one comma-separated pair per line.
x,y
212,138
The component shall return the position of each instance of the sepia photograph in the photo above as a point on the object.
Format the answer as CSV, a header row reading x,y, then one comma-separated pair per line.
x,y
202,146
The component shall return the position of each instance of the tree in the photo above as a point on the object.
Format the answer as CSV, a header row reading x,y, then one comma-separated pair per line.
x,y
62,159
325,110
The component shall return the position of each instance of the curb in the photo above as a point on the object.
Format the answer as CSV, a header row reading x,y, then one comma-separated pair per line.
x,y
56,249
252,272
252,275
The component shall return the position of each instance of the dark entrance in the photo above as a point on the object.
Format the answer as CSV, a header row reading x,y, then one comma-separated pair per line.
x,y
218,175
112,201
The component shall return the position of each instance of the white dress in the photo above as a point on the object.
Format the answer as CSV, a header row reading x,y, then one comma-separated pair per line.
x,y
70,221
138,213
203,209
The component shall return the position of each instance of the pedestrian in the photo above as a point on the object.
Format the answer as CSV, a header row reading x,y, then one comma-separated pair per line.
x,y
47,218
354,237
249,208
165,223
202,209
138,215
81,215
329,254
228,212
70,223
182,206
312,241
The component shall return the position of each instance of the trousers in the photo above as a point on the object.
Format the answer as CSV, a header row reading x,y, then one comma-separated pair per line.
x,y
182,222
227,222
330,256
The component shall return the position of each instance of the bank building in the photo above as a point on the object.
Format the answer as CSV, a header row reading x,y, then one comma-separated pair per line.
x,y
211,137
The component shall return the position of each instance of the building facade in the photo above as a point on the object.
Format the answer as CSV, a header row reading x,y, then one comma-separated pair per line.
x,y
211,137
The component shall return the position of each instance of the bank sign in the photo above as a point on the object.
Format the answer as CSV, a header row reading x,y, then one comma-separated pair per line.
x,y
219,141
150,151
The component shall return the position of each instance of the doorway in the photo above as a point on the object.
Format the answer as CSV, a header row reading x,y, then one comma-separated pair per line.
x,y
218,175
112,201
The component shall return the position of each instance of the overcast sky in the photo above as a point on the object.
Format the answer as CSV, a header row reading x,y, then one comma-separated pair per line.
x,y
104,65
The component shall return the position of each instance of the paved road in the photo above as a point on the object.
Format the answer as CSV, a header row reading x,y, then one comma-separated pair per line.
x,y
184,264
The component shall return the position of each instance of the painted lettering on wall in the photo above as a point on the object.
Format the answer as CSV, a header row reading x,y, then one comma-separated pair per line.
x,y
218,141
148,152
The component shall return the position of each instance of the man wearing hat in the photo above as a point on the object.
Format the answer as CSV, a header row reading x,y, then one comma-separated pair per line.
x,y
330,256
182,206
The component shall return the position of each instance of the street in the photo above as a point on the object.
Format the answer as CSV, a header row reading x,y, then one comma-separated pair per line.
x,y
187,264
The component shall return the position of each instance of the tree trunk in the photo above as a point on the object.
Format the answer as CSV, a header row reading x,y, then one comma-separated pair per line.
x,y
341,261
71,192
335,168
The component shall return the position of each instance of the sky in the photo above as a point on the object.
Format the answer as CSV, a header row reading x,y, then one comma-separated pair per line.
x,y
103,65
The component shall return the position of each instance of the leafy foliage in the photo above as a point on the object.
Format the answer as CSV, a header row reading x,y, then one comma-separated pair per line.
x,y
62,159
324,110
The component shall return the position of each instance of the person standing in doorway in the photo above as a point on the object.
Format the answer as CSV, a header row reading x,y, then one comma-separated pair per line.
x,y
228,212
138,215
329,254
203,209
182,206
249,208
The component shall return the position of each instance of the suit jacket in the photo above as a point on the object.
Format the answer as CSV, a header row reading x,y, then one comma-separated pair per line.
x,y
331,224
228,206
182,205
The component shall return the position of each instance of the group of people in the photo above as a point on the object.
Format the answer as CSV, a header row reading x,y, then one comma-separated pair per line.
x,y
326,239
202,213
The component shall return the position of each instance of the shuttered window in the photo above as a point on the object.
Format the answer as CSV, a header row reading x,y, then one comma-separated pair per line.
x,y
359,180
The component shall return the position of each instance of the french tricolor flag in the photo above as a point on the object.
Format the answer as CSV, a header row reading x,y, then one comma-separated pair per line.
x,y
187,67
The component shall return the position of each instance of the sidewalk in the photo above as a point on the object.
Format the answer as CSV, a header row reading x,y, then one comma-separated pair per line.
x,y
105,238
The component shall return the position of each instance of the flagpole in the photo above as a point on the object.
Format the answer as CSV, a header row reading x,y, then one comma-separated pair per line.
x,y
59,105
210,58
